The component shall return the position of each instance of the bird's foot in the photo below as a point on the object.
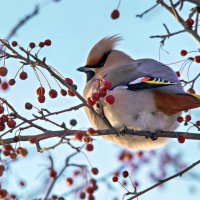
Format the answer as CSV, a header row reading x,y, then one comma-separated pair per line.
x,y
153,136
123,131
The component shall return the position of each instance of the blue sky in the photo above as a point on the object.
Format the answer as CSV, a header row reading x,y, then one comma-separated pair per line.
x,y
74,26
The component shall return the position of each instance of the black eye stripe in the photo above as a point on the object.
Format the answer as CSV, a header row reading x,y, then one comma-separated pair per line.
x,y
101,62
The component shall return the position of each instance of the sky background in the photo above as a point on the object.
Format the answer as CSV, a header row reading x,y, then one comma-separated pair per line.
x,y
74,26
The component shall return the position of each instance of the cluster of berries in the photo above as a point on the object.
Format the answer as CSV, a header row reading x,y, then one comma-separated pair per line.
x,y
101,93
195,58
5,120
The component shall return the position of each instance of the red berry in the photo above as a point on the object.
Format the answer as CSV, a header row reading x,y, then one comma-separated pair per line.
x,y
11,123
197,59
198,123
23,75
8,147
94,171
41,44
107,85
73,122
32,45
69,81
69,181
4,118
110,99
70,93
191,91
102,92
14,43
189,23
78,135
53,93
82,195
3,71
13,155
28,106
41,98
52,173
90,190
90,102
114,178
40,91
115,14
63,92
4,86
188,118
180,119
90,131
32,140
89,147
181,139
11,82
95,97
178,74
3,194
1,109
183,52
6,153
47,42
140,154
125,174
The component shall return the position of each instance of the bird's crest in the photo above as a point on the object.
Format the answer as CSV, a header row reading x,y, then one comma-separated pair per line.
x,y
101,48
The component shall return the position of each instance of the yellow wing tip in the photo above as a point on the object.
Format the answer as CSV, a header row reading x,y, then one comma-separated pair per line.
x,y
196,96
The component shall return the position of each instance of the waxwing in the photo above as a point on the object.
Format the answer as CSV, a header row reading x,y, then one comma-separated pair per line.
x,y
147,94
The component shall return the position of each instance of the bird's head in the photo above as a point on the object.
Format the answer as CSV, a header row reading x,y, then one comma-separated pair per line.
x,y
102,55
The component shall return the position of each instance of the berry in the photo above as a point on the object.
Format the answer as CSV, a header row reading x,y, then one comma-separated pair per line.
x,y
63,92
94,171
178,74
32,45
28,106
197,59
110,99
180,119
90,102
40,91
11,123
41,44
6,153
73,122
69,181
189,23
11,82
78,135
90,190
95,97
115,14
69,81
61,198
4,118
198,123
13,155
70,93
3,194
183,52
102,92
114,178
82,195
8,147
90,131
125,174
4,86
140,154
181,139
52,173
191,91
89,147
2,168
1,109
107,85
41,98
14,43
23,75
47,42
53,93
3,71
188,118
32,140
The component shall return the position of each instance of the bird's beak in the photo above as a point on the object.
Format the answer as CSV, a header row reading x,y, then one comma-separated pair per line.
x,y
82,69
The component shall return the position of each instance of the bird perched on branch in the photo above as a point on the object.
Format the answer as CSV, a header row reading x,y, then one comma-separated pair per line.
x,y
141,94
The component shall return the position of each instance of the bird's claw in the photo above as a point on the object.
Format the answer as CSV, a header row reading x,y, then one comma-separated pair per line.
x,y
153,136
123,131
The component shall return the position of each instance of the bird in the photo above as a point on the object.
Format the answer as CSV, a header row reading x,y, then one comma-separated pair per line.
x,y
148,95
